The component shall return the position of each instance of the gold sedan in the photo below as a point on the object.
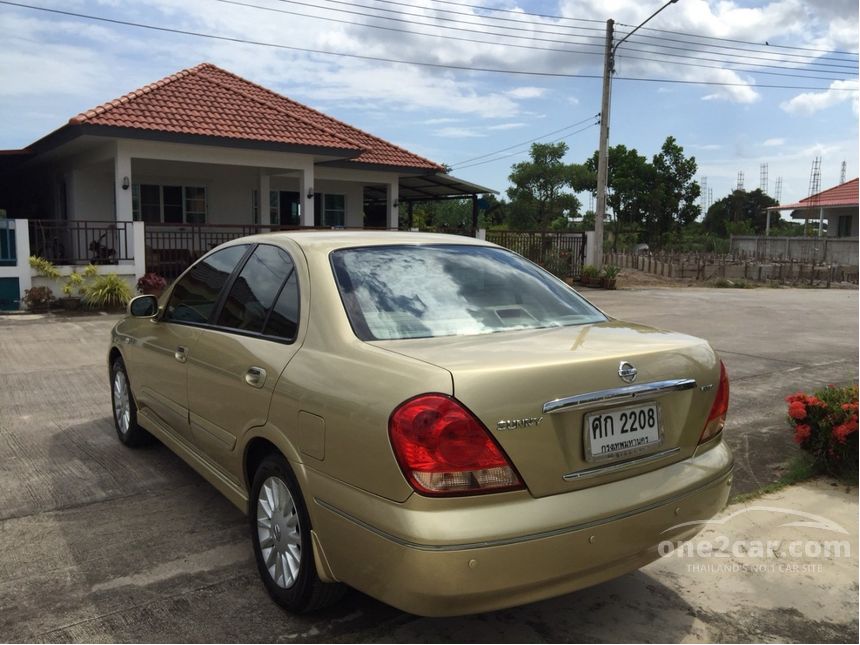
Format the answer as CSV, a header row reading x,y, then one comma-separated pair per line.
x,y
430,419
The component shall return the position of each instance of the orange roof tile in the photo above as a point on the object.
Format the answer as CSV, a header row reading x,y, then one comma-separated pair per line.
x,y
209,101
846,194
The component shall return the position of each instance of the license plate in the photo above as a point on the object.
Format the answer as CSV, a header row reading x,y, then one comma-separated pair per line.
x,y
610,434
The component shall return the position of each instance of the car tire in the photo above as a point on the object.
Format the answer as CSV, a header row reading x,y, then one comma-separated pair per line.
x,y
124,408
281,535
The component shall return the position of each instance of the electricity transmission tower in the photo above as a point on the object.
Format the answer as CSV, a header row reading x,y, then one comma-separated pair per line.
x,y
740,185
814,189
703,196
777,191
842,174
763,182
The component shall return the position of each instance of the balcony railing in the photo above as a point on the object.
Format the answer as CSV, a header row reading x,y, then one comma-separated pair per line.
x,y
81,241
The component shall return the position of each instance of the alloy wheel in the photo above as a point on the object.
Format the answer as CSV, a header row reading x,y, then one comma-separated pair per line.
x,y
279,532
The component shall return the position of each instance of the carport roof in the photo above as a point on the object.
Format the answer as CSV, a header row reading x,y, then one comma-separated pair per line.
x,y
416,188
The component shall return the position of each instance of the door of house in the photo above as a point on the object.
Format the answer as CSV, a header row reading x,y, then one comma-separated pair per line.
x,y
288,209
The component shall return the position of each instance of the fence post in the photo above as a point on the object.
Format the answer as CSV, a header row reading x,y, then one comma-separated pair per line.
x,y
139,248
22,255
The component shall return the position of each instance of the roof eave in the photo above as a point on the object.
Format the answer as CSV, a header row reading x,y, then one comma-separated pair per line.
x,y
72,131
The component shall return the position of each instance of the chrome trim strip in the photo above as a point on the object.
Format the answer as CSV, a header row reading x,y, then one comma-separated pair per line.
x,y
608,469
532,536
618,393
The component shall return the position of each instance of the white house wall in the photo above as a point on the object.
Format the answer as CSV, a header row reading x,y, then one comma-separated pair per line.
x,y
89,192
229,175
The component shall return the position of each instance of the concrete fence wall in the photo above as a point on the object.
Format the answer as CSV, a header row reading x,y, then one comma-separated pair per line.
x,y
709,267
840,251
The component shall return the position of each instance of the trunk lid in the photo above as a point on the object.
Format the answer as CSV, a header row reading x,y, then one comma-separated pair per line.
x,y
510,376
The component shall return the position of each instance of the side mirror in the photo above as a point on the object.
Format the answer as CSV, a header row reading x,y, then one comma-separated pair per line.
x,y
145,306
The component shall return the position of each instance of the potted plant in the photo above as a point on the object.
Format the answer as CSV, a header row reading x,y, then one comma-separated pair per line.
x,y
151,284
73,290
610,273
38,299
590,276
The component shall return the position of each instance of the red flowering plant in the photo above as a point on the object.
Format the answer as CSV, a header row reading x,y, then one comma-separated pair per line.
x,y
151,283
825,425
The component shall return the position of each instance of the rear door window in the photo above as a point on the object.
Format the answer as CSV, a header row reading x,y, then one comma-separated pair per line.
x,y
256,289
196,295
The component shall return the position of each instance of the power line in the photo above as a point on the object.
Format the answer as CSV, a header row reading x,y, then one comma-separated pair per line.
x,y
459,13
751,71
743,42
519,152
518,13
640,37
637,40
532,47
244,41
410,31
522,143
490,33
538,24
423,24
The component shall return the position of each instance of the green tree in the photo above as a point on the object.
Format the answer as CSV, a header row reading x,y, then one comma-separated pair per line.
x,y
541,193
673,194
630,181
741,212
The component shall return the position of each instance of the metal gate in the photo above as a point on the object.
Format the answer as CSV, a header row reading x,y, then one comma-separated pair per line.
x,y
562,254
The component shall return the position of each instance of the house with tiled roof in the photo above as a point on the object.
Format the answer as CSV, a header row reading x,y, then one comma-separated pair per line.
x,y
837,208
200,157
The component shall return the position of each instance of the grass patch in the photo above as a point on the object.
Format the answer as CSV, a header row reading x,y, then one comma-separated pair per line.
x,y
725,283
799,468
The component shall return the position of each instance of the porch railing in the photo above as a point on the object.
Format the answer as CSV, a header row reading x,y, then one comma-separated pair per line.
x,y
81,241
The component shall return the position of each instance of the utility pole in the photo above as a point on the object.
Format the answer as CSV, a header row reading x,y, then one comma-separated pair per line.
x,y
603,150
603,155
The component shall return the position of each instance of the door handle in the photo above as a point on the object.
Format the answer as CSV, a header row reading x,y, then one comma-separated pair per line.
x,y
255,376
181,354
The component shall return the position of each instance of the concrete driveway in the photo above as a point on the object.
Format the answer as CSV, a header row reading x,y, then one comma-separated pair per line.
x,y
100,543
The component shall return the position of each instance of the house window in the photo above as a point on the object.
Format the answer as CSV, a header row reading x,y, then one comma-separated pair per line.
x,y
334,210
155,204
195,204
843,226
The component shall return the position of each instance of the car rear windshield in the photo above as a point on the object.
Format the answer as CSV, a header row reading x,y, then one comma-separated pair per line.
x,y
397,292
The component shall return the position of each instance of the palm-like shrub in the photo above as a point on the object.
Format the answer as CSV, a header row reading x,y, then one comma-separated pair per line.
x,y
108,290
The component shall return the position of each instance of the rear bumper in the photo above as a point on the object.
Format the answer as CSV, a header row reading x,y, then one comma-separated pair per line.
x,y
426,576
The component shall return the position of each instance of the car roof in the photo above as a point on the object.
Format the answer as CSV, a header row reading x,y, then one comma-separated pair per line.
x,y
324,241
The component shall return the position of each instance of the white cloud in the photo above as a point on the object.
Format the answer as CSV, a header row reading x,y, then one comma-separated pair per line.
x,y
811,102
455,132
773,143
526,92
506,126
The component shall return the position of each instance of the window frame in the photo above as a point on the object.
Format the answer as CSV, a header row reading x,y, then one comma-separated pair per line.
x,y
137,213
225,291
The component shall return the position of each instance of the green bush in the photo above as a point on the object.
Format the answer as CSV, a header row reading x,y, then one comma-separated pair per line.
x,y
44,268
825,425
107,290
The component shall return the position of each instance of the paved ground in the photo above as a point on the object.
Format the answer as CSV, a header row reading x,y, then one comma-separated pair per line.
x,y
99,543
773,342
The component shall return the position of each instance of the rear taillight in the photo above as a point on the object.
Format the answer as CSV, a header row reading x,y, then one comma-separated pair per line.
x,y
717,415
444,450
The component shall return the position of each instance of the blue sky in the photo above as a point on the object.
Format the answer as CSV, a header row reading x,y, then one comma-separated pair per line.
x,y
56,66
